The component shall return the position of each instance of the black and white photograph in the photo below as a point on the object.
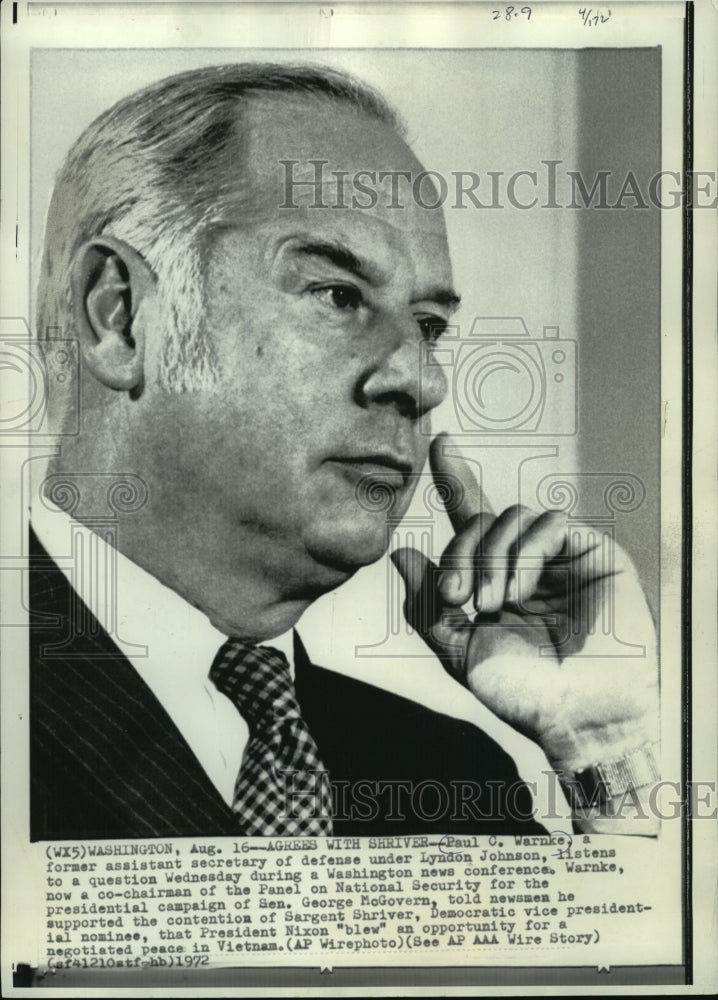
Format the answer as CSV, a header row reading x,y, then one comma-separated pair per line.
x,y
349,526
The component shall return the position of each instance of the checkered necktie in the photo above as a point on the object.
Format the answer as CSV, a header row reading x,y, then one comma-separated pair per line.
x,y
283,788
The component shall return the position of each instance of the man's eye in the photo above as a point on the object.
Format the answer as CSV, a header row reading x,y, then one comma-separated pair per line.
x,y
432,327
339,296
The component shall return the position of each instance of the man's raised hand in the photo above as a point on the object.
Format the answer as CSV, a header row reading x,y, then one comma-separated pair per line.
x,y
536,616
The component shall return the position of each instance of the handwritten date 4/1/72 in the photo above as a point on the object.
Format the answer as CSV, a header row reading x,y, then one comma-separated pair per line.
x,y
509,13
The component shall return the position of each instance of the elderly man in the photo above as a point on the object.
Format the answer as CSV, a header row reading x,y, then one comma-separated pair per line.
x,y
259,364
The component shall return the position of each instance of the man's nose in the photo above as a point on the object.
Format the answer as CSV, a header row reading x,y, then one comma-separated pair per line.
x,y
402,374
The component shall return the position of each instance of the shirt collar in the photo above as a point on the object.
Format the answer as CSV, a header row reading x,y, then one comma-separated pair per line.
x,y
171,644
120,594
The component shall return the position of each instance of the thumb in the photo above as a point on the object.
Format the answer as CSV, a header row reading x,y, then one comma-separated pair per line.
x,y
423,608
413,567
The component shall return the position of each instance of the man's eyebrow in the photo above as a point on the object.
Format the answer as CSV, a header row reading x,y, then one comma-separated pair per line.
x,y
337,254
444,297
342,257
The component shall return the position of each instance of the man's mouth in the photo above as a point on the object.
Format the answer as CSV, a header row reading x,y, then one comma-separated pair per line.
x,y
381,467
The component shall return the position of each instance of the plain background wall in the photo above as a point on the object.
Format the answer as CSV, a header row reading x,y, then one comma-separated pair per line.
x,y
618,289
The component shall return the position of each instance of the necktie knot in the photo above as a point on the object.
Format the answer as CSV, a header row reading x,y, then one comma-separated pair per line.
x,y
257,680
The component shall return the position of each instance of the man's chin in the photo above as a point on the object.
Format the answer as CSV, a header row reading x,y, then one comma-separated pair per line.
x,y
347,551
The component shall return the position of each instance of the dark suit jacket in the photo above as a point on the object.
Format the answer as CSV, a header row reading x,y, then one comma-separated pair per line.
x,y
107,761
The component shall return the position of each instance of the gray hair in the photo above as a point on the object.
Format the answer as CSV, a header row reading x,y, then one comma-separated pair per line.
x,y
153,170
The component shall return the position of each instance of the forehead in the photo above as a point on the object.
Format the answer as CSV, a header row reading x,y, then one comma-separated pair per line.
x,y
319,163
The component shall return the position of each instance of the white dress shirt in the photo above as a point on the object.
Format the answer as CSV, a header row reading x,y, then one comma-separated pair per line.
x,y
171,644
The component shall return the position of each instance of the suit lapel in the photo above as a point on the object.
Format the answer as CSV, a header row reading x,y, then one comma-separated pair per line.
x,y
106,759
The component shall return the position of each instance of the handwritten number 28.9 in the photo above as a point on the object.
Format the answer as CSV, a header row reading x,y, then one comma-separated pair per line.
x,y
509,13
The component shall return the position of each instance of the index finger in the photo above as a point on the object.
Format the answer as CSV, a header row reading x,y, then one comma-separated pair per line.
x,y
456,482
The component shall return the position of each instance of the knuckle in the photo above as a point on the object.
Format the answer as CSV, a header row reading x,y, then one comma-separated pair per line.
x,y
556,519
516,512
622,562
481,522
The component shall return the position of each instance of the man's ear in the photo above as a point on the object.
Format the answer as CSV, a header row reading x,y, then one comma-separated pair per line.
x,y
109,282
